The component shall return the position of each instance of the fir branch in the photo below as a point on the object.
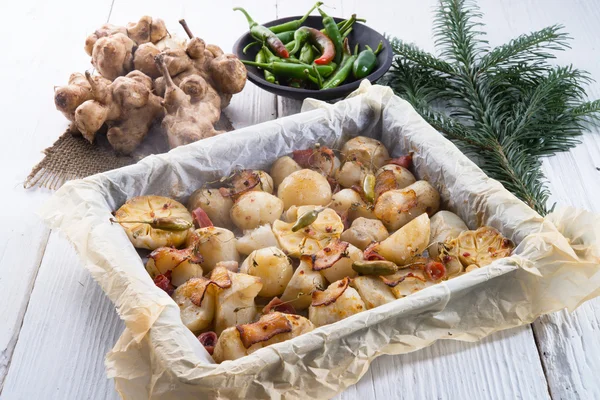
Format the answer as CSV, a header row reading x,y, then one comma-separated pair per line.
x,y
420,57
507,106
525,50
455,30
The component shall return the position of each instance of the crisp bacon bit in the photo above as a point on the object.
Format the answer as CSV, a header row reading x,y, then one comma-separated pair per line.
x,y
264,329
435,270
371,254
303,157
331,294
279,306
385,181
209,341
241,182
163,281
404,161
220,277
398,277
328,256
201,219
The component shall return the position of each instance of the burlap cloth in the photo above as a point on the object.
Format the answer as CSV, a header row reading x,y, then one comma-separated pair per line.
x,y
73,157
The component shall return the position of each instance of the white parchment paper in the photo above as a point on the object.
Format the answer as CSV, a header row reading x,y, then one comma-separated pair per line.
x,y
555,265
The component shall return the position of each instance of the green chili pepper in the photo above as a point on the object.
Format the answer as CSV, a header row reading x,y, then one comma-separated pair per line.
x,y
314,76
290,70
376,267
261,57
306,219
286,36
300,38
293,25
307,54
295,83
334,34
369,187
366,61
343,71
264,35
170,224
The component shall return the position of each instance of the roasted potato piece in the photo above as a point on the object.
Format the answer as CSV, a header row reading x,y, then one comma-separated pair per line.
x,y
407,242
196,300
235,305
370,152
352,173
148,208
214,205
406,282
395,208
343,267
304,187
348,201
271,328
214,244
183,264
256,239
445,225
282,168
364,231
255,208
372,291
304,281
403,176
273,268
337,302
312,238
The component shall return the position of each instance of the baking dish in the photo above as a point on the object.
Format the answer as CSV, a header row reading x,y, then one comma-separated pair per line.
x,y
157,357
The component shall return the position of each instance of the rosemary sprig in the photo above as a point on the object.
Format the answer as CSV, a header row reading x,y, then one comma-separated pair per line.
x,y
507,106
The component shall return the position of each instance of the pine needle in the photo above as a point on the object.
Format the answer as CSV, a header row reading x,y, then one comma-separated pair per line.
x,y
507,106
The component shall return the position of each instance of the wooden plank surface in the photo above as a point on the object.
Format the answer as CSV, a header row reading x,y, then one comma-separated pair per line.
x,y
33,62
68,324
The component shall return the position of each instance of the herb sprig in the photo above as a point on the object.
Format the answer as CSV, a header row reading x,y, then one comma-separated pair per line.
x,y
506,107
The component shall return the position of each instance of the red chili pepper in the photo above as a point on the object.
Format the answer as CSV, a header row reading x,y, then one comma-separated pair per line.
x,y
201,219
320,40
209,341
435,270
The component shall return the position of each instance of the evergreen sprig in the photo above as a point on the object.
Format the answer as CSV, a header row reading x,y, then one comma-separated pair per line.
x,y
507,106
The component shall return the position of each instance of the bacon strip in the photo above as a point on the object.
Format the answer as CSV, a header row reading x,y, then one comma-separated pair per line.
x,y
195,288
331,294
403,161
264,329
329,255
395,279
303,157
163,281
201,219
279,306
370,253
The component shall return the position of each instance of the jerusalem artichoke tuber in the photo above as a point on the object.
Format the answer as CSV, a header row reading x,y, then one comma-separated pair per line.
x,y
126,105
192,108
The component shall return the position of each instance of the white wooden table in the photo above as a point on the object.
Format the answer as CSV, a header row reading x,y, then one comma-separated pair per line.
x,y
56,324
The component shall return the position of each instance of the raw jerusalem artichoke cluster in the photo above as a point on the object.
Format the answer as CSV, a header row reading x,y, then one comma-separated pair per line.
x,y
147,76
320,238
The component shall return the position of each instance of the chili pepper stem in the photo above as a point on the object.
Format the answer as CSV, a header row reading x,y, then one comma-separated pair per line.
x,y
251,22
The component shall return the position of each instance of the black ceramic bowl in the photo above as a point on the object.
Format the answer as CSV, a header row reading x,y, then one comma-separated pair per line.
x,y
361,34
